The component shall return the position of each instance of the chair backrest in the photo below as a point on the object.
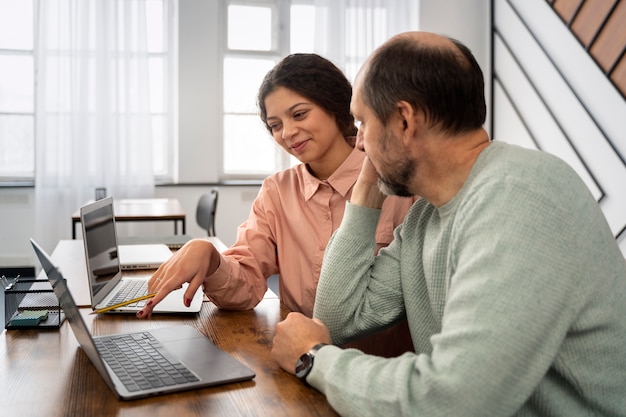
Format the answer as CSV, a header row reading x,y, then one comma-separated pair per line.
x,y
205,212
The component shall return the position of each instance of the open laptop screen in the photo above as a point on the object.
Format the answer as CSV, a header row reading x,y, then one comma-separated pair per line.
x,y
101,246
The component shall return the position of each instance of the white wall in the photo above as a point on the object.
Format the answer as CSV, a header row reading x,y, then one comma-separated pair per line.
x,y
468,21
199,91
199,147
233,206
17,218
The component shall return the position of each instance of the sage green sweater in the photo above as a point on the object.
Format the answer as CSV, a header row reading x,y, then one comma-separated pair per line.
x,y
515,293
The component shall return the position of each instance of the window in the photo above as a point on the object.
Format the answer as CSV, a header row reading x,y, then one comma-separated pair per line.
x,y
17,88
17,91
258,34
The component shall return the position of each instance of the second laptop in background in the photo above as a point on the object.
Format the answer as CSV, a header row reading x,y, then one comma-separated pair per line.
x,y
103,256
98,227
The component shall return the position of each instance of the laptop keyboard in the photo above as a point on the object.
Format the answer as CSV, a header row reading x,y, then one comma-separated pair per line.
x,y
131,288
141,362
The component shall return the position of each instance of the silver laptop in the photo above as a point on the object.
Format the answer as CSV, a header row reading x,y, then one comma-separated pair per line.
x,y
182,358
171,241
143,256
98,226
107,285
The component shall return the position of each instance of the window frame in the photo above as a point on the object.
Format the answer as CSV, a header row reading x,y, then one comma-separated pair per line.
x,y
281,45
24,177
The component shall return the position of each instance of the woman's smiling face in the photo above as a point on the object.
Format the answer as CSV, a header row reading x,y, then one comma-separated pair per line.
x,y
304,129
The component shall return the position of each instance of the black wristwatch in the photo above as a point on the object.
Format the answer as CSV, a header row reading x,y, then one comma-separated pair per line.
x,y
305,363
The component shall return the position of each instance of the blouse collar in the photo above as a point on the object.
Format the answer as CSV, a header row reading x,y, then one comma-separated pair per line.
x,y
341,180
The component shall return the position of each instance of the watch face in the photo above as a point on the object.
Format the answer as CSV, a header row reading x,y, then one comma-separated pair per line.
x,y
304,365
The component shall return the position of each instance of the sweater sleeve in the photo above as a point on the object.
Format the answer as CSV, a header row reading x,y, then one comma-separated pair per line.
x,y
343,304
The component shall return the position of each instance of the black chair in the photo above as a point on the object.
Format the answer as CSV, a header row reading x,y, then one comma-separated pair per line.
x,y
205,212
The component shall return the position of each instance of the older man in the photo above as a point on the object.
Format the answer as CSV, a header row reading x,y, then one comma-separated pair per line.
x,y
511,280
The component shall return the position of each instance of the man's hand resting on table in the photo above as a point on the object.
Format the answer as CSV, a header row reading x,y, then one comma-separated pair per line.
x,y
294,337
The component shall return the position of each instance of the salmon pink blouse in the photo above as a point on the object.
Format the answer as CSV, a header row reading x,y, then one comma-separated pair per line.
x,y
289,225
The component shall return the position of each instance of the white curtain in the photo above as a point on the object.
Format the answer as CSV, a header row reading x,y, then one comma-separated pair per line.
x,y
347,31
93,125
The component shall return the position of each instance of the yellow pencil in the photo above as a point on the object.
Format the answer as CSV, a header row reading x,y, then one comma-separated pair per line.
x,y
134,300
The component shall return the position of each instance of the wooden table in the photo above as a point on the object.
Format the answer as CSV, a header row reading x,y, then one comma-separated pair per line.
x,y
144,209
45,373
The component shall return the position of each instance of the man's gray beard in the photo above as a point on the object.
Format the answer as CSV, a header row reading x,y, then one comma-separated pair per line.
x,y
398,186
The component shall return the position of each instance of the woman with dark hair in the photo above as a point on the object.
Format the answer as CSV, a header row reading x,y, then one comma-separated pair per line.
x,y
304,102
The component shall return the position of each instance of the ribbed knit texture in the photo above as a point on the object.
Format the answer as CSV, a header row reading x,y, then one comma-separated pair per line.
x,y
515,292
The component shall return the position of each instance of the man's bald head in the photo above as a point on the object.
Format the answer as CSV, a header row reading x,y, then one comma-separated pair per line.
x,y
435,74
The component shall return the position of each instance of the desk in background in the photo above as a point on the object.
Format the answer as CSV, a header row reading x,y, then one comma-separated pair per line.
x,y
144,209
44,373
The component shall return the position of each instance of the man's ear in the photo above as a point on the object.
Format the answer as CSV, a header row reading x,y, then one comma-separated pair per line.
x,y
409,121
